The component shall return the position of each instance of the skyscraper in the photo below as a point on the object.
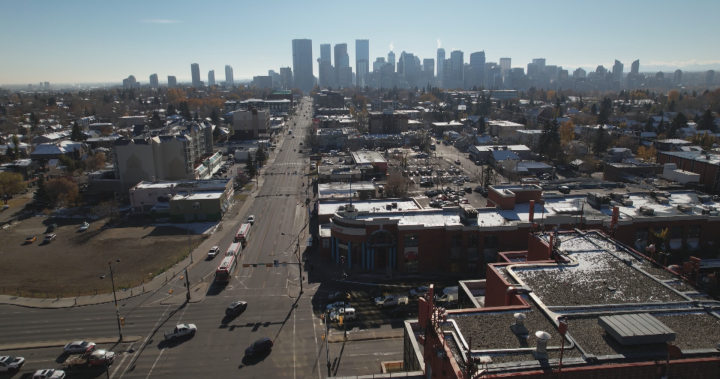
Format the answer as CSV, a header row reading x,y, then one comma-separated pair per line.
x,y
429,66
505,64
172,81
391,60
286,77
195,70
617,71
457,60
677,78
229,79
635,68
709,77
154,81
440,62
343,71
477,70
211,77
325,72
302,64
362,61
539,65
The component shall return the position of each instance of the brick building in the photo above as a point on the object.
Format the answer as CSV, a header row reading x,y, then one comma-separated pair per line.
x,y
576,303
703,163
400,234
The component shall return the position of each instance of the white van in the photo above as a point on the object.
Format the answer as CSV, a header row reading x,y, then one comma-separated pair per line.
x,y
448,294
348,314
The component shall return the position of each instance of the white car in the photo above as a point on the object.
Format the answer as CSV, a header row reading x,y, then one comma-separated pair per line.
x,y
85,225
76,347
419,291
49,374
213,251
251,219
181,330
8,363
339,305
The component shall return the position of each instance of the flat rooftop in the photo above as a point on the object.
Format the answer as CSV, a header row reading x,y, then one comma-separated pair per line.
x,y
362,157
199,196
374,206
195,184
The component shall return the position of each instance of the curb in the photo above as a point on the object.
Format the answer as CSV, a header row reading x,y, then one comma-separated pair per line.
x,y
60,343
365,336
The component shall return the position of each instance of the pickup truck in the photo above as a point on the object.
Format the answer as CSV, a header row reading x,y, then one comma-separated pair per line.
x,y
181,330
391,301
10,363
90,359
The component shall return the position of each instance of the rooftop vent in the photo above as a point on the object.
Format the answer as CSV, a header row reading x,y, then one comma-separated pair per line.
x,y
626,202
704,198
646,211
662,200
684,208
519,326
636,329
540,351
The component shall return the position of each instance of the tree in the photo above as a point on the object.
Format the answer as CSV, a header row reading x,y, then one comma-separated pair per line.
x,y
170,110
649,125
63,192
107,211
601,141
155,121
603,116
567,132
76,135
593,110
550,139
68,162
397,185
10,184
707,121
481,125
215,117
251,170
679,122
648,154
260,156
96,162
41,196
489,176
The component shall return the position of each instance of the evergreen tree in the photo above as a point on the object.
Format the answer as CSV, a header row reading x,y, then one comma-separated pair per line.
x,y
41,195
707,121
601,142
603,116
679,122
550,139
260,156
481,125
649,127
661,126
215,117
593,109
171,110
155,121
251,170
76,135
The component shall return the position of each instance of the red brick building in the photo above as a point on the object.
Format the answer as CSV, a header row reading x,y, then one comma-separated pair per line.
x,y
705,164
407,238
577,304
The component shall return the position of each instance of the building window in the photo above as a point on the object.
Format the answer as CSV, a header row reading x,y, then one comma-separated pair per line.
x,y
676,232
411,240
641,236
197,205
472,240
411,266
456,246
491,242
694,231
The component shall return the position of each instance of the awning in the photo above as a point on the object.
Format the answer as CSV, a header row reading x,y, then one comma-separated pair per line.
x,y
411,255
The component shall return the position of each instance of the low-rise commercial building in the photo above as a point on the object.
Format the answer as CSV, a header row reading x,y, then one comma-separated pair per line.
x,y
502,152
370,158
704,163
146,195
388,122
505,131
249,124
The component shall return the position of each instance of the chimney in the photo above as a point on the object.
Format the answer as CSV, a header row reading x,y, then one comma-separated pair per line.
x,y
532,210
540,351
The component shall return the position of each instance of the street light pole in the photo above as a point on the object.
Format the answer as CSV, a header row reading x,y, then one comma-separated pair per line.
x,y
187,226
117,311
327,345
300,269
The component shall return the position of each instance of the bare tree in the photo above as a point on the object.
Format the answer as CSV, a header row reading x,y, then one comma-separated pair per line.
x,y
107,211
397,185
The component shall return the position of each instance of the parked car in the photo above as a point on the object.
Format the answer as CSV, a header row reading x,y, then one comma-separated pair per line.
x,y
419,291
251,219
49,374
339,305
339,296
51,228
430,193
457,161
84,226
49,238
10,363
181,330
235,308
391,300
4,208
215,250
76,347
347,314
30,239
260,346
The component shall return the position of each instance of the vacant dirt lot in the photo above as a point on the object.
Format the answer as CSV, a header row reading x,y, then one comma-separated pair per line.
x,y
76,260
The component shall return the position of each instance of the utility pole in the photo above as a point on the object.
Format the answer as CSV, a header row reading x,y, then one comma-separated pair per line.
x,y
187,283
300,269
117,311
327,344
187,226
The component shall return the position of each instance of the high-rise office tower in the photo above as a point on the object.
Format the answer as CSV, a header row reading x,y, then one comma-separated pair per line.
x,y
229,79
275,78
325,72
429,67
211,77
154,81
617,71
539,65
635,68
477,70
378,64
457,61
302,64
172,81
391,60
505,64
286,78
362,61
709,77
195,69
440,62
343,71
677,78
579,73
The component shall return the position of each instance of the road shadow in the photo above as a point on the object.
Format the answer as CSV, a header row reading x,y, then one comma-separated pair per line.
x,y
215,288
169,344
255,359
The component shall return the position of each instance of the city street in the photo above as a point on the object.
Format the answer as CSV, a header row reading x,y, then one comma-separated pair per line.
x,y
275,307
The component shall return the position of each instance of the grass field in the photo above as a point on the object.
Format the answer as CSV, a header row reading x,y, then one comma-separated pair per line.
x,y
75,261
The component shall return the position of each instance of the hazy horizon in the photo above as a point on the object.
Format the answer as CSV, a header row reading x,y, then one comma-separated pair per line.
x,y
87,42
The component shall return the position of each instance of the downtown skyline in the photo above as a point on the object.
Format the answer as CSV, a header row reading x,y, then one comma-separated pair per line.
x,y
32,57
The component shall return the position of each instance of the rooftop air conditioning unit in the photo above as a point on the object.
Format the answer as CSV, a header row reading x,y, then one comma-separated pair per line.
x,y
662,200
626,202
647,211
684,207
704,198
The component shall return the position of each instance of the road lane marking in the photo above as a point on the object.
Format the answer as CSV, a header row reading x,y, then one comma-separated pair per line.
x,y
122,361
317,351
145,342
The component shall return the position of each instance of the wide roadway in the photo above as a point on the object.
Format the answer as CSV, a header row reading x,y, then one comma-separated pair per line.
x,y
217,349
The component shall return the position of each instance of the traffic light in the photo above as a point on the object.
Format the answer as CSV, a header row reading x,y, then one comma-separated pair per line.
x,y
122,321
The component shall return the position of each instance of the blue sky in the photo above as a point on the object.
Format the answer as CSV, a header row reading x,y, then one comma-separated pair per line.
x,y
105,41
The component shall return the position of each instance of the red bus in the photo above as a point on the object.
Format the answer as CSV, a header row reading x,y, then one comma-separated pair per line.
x,y
242,234
234,250
224,271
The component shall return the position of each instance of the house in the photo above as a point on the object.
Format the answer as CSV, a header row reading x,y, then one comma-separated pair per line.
x,y
618,154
